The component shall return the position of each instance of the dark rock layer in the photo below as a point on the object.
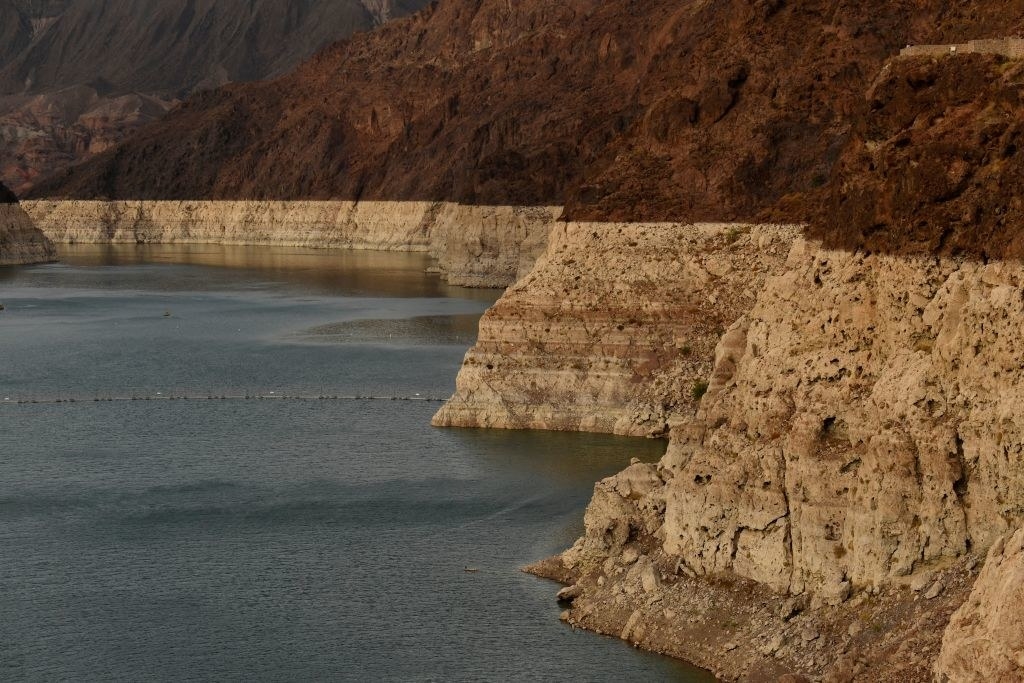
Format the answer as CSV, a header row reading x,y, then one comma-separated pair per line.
x,y
935,164
77,76
619,110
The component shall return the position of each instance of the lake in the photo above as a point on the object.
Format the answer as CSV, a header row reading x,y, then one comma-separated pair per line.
x,y
270,538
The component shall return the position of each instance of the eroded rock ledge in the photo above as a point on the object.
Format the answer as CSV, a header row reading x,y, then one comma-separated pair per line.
x,y
20,241
859,445
476,246
614,329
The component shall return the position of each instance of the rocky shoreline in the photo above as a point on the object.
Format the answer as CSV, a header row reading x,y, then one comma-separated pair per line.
x,y
474,246
740,630
833,489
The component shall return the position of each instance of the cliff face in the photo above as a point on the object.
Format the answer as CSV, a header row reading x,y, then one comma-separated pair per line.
x,y
859,443
77,77
621,111
476,246
489,246
859,422
20,241
613,329
866,430
858,438
985,637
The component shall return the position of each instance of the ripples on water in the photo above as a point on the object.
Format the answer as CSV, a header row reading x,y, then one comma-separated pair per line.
x,y
274,540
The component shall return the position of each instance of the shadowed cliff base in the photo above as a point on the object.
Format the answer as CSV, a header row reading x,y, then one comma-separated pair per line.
x,y
6,196
20,241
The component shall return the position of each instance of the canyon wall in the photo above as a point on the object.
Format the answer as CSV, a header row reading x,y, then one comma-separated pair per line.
x,y
481,246
844,427
862,424
66,95
614,329
20,241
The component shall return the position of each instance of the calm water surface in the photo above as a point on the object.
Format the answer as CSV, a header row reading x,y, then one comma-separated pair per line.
x,y
274,540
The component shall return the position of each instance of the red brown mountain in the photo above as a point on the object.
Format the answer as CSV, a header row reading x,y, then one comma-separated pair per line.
x,y
621,110
77,75
935,164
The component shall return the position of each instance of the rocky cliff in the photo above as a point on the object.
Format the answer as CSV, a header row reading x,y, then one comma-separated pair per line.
x,y
858,426
20,241
614,329
858,435
845,438
77,76
477,246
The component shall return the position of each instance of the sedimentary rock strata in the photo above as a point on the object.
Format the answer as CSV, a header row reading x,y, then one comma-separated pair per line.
x,y
20,241
861,424
985,638
859,436
481,246
614,329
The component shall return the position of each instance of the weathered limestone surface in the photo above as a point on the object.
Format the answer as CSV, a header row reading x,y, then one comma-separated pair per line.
x,y
484,246
984,641
489,246
20,241
614,328
864,422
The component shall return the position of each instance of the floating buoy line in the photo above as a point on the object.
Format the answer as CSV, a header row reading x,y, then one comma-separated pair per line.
x,y
272,396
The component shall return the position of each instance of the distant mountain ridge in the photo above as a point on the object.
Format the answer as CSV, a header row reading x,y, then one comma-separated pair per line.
x,y
77,75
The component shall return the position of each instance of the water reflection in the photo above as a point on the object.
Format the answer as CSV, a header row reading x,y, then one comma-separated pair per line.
x,y
275,540
322,271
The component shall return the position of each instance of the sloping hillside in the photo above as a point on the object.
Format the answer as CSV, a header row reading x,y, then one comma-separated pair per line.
x,y
620,110
76,75
935,162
